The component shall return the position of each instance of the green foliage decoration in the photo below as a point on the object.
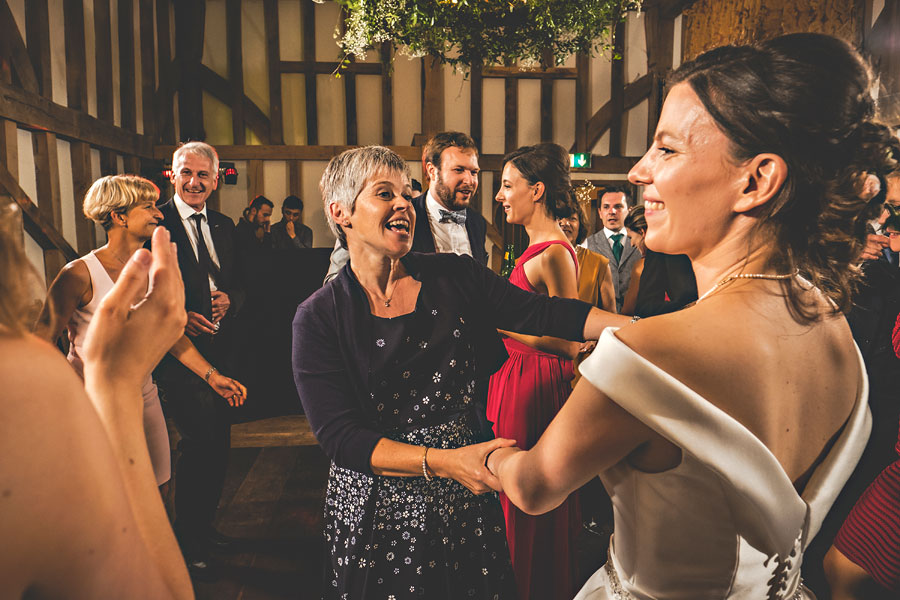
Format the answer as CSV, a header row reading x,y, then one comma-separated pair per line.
x,y
466,33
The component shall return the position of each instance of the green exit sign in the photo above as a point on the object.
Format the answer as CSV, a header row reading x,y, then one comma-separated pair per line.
x,y
581,160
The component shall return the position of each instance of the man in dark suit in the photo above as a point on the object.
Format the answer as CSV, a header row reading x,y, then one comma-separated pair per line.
x,y
613,243
212,297
444,221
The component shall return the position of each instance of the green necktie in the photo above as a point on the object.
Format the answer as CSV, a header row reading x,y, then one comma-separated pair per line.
x,y
617,245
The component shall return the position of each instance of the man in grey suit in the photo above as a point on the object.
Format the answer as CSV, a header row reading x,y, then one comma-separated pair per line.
x,y
613,243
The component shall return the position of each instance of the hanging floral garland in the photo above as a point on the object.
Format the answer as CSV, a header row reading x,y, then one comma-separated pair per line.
x,y
465,33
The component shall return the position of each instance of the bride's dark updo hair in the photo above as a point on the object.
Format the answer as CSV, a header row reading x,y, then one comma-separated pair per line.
x,y
806,97
548,163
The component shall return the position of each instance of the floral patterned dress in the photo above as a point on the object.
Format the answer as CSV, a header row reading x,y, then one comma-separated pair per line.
x,y
405,537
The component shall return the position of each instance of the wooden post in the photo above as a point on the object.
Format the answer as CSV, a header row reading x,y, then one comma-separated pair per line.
x,y
235,51
255,183
9,146
37,31
163,101
387,95
582,101
308,14
617,94
148,69
476,93
126,65
295,178
433,96
547,100
190,21
273,58
85,232
511,131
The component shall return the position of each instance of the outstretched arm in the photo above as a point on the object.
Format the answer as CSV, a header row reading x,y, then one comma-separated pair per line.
x,y
588,435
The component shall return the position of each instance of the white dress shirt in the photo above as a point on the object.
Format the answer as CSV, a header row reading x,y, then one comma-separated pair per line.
x,y
448,236
186,212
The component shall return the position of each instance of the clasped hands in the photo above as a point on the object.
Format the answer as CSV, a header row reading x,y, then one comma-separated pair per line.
x,y
467,465
197,323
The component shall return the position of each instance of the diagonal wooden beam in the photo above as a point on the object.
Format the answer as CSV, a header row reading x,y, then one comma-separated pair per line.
x,y
219,87
634,93
12,46
43,232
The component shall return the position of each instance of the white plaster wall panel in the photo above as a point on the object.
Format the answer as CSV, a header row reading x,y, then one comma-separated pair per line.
x,y
114,46
290,30
215,44
293,114
138,69
601,71
328,15
407,96
313,211
275,182
233,198
602,145
217,121
676,45
457,101
256,70
120,164
529,109
636,129
487,195
415,169
564,112
877,7
251,137
67,192
35,255
95,164
58,53
493,116
635,46
368,109
27,175
332,117
90,54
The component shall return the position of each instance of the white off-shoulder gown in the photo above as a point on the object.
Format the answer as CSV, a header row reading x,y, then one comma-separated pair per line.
x,y
727,521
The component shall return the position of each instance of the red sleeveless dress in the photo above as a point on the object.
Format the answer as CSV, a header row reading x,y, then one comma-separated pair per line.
x,y
523,397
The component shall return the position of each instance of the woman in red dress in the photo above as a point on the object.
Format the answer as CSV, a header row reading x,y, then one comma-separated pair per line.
x,y
531,387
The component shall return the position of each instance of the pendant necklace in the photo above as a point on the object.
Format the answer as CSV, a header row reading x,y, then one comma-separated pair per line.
x,y
731,278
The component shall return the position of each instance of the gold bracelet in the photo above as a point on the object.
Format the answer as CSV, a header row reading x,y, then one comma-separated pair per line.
x,y
425,465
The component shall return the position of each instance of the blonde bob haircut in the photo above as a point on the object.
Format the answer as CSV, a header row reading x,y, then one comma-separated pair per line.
x,y
117,194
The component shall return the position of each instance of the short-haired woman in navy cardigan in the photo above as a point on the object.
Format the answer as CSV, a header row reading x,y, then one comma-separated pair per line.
x,y
385,360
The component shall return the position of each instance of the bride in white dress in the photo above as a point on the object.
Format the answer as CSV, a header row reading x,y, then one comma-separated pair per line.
x,y
724,432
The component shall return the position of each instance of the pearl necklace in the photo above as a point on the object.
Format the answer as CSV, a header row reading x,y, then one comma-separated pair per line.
x,y
731,278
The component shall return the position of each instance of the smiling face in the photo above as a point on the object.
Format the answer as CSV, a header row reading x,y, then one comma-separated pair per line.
x,y
517,196
141,219
456,180
569,226
383,219
194,179
690,185
613,209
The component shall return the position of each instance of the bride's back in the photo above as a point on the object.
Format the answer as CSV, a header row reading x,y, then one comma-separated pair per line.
x,y
791,384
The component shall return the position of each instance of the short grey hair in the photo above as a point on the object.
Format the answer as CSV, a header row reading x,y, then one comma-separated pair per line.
x,y
198,149
346,176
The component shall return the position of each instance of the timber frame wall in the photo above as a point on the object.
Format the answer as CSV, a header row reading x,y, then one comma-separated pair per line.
x,y
159,98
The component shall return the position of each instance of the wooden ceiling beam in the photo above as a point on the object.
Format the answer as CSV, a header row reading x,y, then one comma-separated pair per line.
x,y
328,68
282,152
32,111
525,73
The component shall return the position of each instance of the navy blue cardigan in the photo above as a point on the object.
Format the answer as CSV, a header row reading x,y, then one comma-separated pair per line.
x,y
331,356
